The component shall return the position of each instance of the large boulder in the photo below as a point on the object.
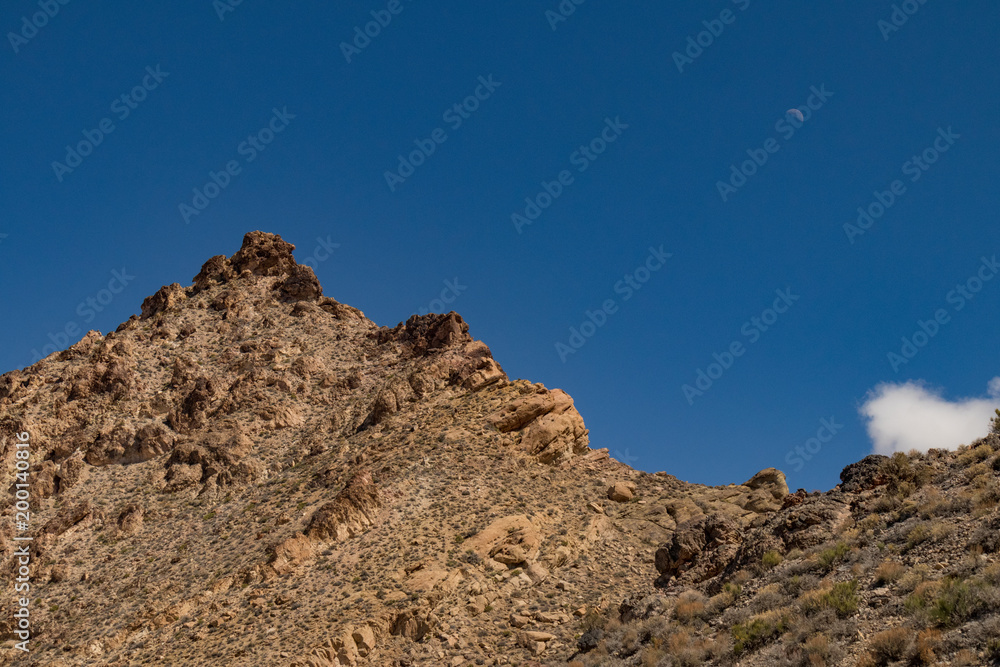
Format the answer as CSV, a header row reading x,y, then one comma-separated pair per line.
x,y
551,428
699,549
864,474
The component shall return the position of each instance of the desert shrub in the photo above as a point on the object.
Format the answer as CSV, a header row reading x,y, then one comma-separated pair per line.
x,y
923,595
741,578
956,602
799,583
759,630
723,600
991,574
841,598
947,603
978,470
915,576
890,645
771,559
936,505
928,641
904,476
987,537
685,650
974,455
995,423
817,650
889,572
965,658
652,656
993,649
886,503
871,522
989,495
927,531
767,598
592,620
812,651
690,606
833,555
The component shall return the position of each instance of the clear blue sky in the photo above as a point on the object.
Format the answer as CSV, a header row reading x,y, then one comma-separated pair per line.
x,y
212,83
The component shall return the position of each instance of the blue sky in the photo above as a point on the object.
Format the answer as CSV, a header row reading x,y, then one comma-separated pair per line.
x,y
613,121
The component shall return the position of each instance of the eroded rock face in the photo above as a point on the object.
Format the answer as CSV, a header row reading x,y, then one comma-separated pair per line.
x,y
699,549
352,512
771,480
864,474
551,428
510,541
423,334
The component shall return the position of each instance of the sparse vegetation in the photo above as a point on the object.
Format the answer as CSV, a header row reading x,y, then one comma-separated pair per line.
x,y
759,630
833,555
771,559
841,598
889,572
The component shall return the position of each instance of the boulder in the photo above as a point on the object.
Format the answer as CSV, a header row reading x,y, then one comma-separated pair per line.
x,y
771,480
699,549
621,492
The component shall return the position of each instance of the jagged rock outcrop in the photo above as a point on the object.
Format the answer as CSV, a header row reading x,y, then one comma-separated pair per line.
x,y
352,512
699,549
551,429
864,474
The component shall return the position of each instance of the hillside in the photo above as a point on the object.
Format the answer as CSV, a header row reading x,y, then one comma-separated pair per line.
x,y
252,473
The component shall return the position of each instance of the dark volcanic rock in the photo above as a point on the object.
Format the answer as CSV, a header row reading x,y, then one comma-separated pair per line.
x,y
863,475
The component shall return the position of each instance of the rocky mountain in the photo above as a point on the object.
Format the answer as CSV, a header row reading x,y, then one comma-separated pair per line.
x,y
252,473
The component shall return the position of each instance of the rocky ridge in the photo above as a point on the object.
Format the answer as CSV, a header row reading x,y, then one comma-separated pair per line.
x,y
252,473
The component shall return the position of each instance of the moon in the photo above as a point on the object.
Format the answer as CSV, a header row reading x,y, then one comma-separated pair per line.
x,y
796,114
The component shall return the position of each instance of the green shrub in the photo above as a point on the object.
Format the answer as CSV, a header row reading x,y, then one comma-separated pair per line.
x,y
993,649
905,477
758,630
956,603
842,598
835,554
771,559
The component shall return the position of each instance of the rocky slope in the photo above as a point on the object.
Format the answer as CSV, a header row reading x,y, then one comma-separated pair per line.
x,y
250,473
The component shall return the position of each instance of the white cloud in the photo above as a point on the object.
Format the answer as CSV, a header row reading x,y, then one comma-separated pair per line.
x,y
909,416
